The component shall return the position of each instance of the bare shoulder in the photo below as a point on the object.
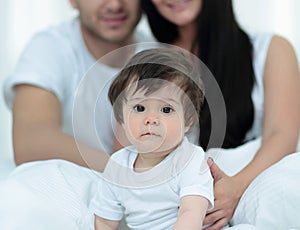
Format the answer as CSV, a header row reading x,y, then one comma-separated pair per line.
x,y
281,53
279,40
281,47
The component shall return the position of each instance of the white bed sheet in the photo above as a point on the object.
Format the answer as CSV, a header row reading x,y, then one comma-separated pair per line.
x,y
266,203
272,201
6,166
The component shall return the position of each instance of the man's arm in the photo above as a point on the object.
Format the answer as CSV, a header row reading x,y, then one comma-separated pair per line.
x,y
191,213
37,133
104,224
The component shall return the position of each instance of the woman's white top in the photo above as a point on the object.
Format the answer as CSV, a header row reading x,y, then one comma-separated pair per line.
x,y
260,44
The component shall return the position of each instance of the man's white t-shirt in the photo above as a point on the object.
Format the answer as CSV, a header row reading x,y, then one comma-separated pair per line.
x,y
150,199
58,60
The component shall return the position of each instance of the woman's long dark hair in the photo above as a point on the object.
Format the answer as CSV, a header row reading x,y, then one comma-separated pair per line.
x,y
227,51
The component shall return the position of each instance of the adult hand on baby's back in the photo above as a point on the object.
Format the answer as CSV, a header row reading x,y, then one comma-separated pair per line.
x,y
226,192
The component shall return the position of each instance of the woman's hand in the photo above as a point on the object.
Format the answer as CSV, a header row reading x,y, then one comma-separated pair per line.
x,y
227,195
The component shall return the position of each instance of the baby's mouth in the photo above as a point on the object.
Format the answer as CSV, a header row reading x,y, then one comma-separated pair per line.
x,y
150,134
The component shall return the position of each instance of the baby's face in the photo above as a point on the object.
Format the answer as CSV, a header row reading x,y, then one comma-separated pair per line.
x,y
155,123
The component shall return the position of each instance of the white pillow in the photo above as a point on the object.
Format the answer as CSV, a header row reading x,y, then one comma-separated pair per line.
x,y
272,200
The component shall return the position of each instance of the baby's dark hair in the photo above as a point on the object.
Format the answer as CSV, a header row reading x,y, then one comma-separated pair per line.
x,y
152,69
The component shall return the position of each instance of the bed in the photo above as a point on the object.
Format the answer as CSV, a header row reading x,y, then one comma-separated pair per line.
x,y
266,203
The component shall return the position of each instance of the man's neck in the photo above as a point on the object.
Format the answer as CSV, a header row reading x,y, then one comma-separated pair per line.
x,y
99,47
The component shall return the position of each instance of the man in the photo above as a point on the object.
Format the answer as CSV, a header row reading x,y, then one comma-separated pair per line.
x,y
41,92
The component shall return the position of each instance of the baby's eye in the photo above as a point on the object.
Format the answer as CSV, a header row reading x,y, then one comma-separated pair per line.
x,y
139,108
167,109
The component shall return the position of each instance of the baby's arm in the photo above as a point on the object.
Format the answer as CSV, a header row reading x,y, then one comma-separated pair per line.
x,y
191,213
104,224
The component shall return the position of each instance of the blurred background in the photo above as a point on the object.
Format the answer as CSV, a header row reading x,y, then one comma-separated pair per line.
x,y
19,19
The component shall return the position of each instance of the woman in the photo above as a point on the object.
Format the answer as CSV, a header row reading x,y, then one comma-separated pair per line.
x,y
259,79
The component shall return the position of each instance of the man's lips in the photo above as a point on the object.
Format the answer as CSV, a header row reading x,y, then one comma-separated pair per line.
x,y
114,20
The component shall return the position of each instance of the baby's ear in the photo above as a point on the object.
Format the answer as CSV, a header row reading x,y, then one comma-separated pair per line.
x,y
189,124
187,128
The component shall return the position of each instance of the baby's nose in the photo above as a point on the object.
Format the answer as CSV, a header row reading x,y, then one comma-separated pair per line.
x,y
151,120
